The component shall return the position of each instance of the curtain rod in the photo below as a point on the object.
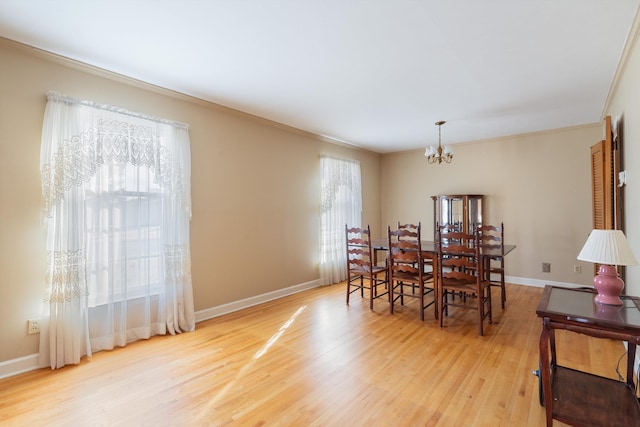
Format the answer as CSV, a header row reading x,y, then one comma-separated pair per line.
x,y
51,95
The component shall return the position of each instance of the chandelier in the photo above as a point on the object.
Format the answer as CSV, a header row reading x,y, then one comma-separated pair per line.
x,y
439,154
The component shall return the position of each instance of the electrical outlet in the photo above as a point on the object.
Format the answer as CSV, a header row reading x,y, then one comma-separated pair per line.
x,y
546,267
33,326
577,269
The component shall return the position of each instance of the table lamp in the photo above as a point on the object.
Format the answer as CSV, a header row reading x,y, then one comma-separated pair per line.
x,y
607,248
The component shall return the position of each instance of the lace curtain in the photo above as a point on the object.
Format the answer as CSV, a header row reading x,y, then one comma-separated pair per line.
x,y
341,204
117,206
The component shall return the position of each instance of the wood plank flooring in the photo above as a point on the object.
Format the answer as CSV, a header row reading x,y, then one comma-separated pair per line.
x,y
310,360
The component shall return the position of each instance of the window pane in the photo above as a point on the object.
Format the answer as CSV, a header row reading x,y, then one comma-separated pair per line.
x,y
124,239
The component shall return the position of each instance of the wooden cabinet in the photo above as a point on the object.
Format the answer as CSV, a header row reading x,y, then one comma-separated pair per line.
x,y
461,210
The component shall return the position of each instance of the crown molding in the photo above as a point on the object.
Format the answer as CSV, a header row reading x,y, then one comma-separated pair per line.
x,y
120,78
625,56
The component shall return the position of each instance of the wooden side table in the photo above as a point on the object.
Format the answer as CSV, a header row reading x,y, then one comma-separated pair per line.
x,y
580,398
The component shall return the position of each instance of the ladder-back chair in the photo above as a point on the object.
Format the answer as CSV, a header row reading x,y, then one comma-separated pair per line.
x,y
362,273
407,275
491,239
460,271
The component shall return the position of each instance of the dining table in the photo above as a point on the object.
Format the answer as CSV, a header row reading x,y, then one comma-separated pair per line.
x,y
430,253
430,249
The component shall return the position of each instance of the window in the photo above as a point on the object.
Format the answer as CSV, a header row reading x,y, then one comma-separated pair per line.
x,y
341,204
116,190
125,228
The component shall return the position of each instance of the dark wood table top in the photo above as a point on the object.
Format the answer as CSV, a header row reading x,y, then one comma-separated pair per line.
x,y
430,247
578,306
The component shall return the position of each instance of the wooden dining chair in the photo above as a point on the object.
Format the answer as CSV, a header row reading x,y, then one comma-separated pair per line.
x,y
460,272
362,272
407,275
413,228
491,238
445,229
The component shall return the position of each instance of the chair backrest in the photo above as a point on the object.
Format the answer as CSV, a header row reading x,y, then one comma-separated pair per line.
x,y
491,237
411,227
405,251
359,252
447,230
458,257
407,231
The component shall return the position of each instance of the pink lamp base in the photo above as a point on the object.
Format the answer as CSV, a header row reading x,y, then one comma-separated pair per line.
x,y
609,285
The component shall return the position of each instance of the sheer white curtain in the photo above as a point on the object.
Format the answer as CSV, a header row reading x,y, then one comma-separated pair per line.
x,y
341,204
117,206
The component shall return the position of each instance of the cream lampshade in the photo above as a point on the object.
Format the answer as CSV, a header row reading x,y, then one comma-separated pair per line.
x,y
607,248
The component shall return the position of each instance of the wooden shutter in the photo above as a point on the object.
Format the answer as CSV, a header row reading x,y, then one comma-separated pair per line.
x,y
603,182
597,185
606,162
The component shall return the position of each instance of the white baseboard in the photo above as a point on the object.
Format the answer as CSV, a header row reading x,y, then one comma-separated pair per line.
x,y
20,365
29,363
538,283
212,312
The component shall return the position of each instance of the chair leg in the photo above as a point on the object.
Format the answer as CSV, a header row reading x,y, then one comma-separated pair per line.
x,y
421,298
372,289
391,296
441,303
480,321
436,301
348,288
490,306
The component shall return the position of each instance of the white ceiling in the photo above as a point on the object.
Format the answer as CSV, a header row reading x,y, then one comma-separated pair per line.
x,y
374,73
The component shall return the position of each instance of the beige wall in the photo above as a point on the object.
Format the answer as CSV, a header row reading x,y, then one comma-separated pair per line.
x,y
625,109
255,190
537,185
258,181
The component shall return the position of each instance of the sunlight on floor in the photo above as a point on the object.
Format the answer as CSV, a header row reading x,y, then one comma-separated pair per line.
x,y
278,334
256,356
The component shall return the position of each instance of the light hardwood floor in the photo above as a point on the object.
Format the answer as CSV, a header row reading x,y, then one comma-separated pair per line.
x,y
310,360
